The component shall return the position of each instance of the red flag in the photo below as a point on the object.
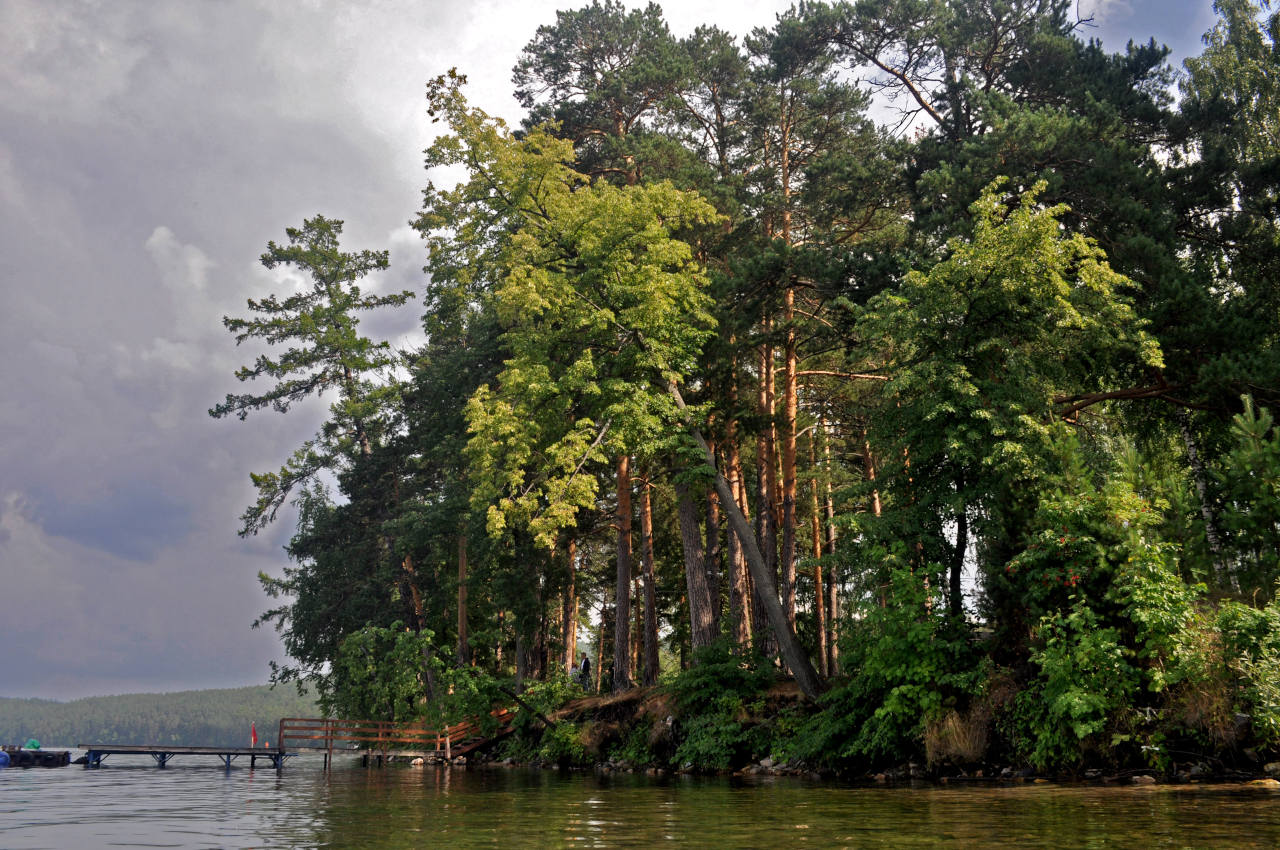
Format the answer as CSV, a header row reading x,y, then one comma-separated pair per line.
x,y
253,734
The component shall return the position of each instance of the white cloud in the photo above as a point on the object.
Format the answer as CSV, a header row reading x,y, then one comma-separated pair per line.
x,y
182,267
1105,11
193,320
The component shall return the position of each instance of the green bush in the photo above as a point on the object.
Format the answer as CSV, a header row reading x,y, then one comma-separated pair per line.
x,y
720,737
1109,623
1251,649
907,664
1084,678
562,744
634,748
714,700
718,670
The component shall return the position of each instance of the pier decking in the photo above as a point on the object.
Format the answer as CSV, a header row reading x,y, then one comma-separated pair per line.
x,y
326,735
162,755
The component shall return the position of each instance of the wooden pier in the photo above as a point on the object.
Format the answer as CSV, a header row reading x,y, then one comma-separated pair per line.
x,y
382,740
370,739
162,755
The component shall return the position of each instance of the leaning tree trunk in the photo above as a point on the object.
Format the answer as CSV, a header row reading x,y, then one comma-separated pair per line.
x,y
793,654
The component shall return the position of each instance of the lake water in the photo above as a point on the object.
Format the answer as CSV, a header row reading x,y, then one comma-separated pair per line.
x,y
196,803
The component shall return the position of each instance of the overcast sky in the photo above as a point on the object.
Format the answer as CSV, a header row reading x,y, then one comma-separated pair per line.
x,y
148,151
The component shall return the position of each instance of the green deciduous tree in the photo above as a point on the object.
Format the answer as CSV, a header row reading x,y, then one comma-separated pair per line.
x,y
976,350
601,305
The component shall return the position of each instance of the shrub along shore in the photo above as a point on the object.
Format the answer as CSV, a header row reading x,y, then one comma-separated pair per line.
x,y
727,716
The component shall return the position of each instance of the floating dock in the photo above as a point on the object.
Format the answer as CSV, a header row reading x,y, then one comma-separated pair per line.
x,y
18,757
95,753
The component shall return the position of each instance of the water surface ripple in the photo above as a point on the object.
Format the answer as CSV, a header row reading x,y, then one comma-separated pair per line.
x,y
194,804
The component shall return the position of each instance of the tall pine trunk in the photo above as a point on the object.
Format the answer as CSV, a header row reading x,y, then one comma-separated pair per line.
x,y
833,590
650,674
701,628
815,527
766,528
790,401
522,662
569,617
790,404
739,579
869,466
622,599
497,648
712,557
601,635
464,639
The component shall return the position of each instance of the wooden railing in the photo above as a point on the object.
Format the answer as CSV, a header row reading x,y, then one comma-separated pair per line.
x,y
321,733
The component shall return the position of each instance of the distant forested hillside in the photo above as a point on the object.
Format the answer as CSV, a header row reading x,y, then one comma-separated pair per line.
x,y
187,718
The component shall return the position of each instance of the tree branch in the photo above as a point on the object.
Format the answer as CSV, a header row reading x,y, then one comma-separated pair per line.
x,y
852,376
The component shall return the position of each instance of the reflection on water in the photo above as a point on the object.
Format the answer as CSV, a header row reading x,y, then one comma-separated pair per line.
x,y
131,803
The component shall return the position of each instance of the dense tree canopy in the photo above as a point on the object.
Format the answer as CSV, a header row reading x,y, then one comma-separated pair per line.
x,y
970,415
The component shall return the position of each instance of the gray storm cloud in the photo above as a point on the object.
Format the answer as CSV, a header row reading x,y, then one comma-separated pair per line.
x,y
148,151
